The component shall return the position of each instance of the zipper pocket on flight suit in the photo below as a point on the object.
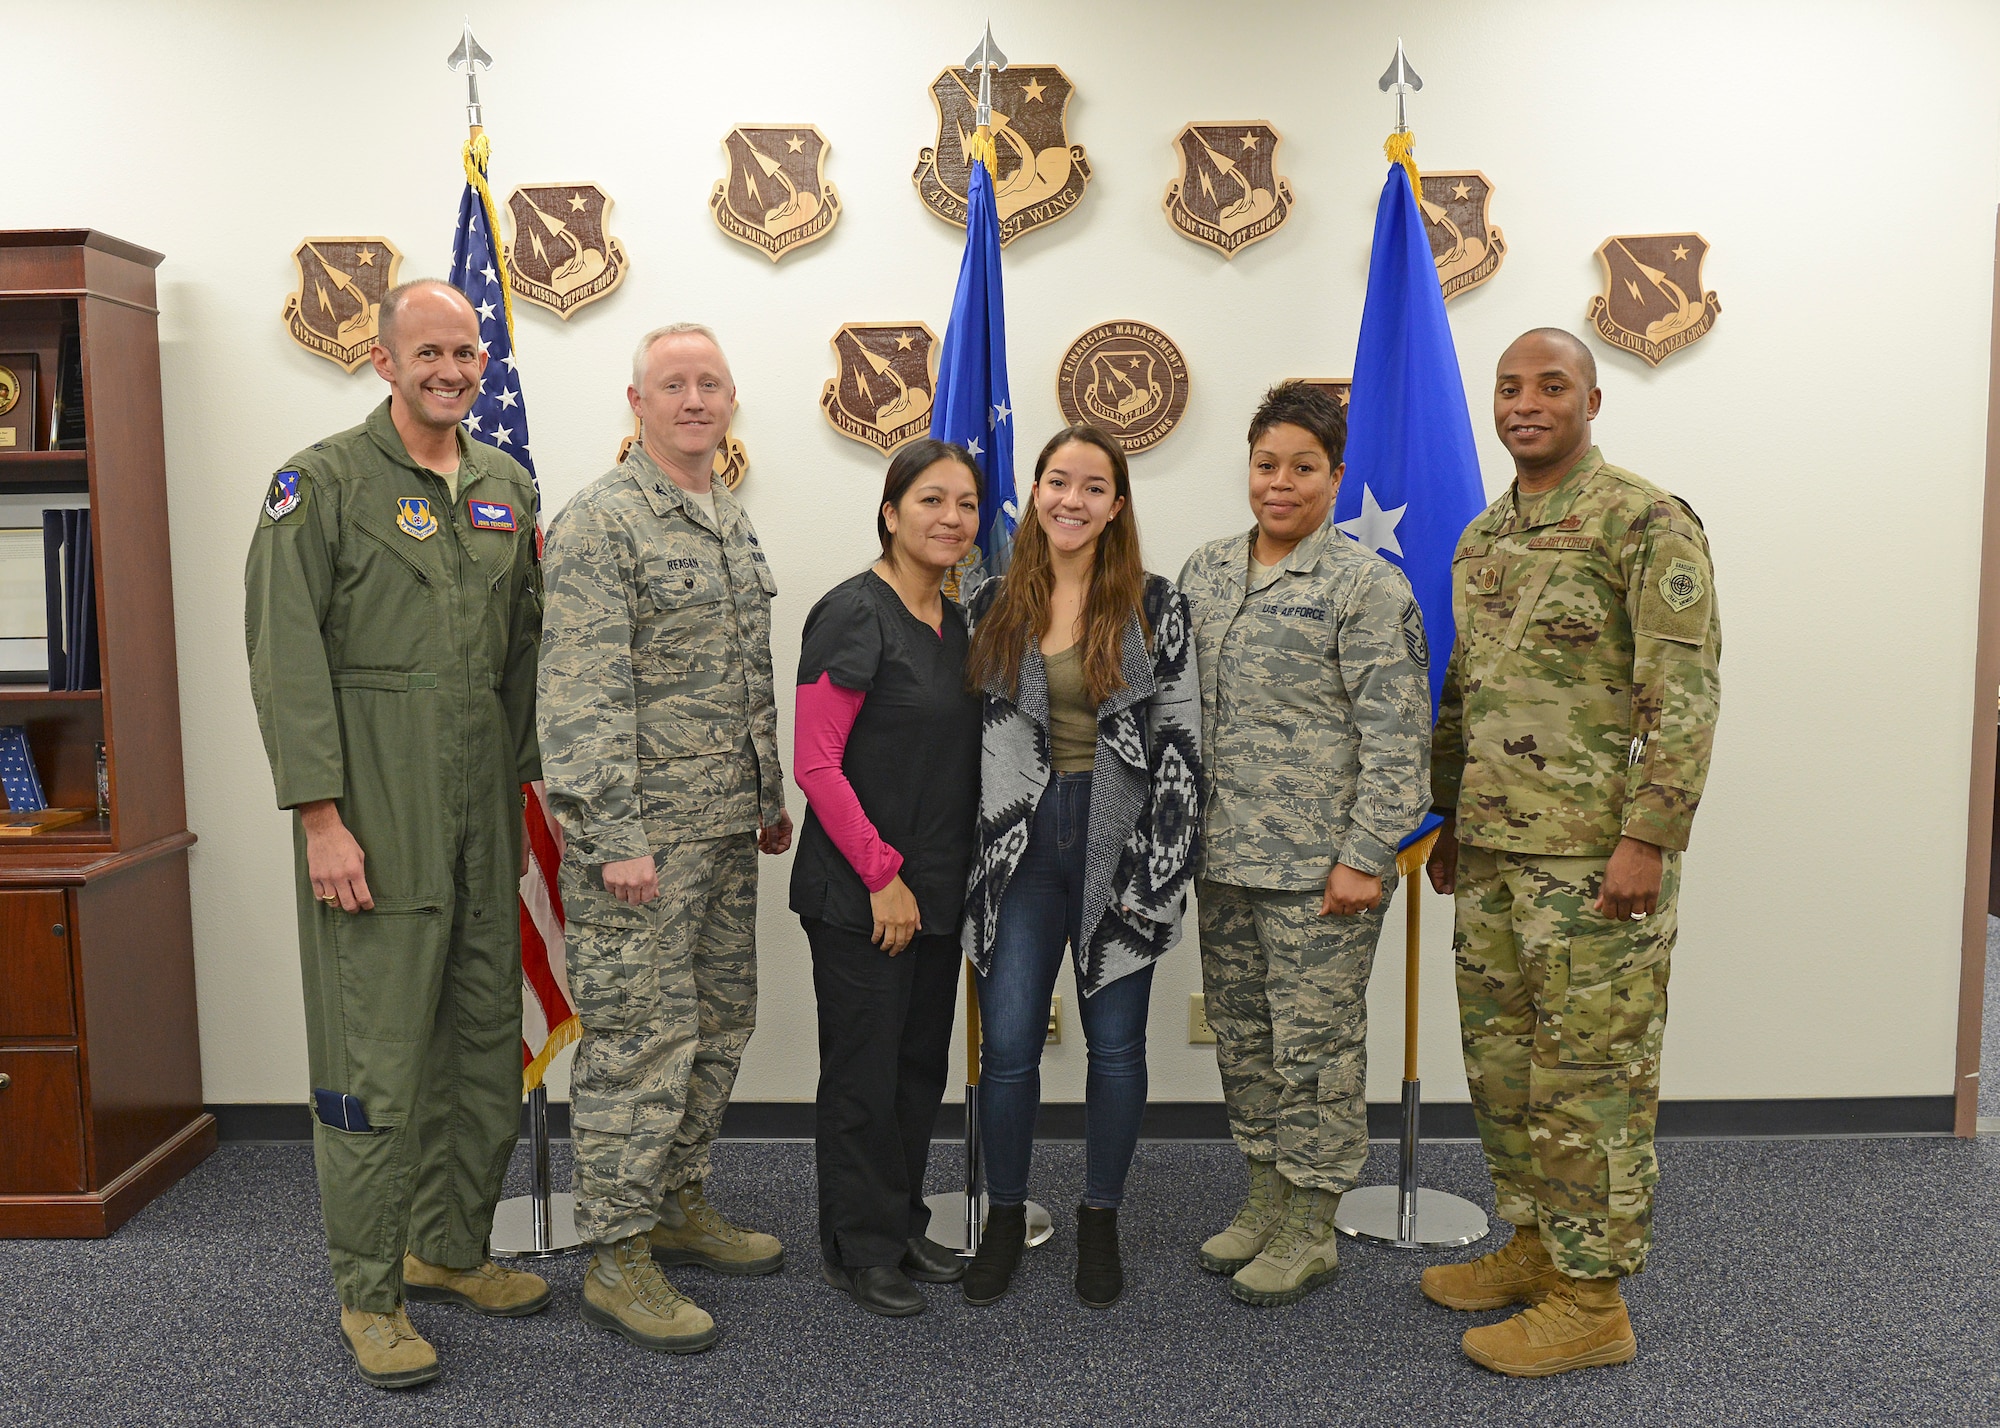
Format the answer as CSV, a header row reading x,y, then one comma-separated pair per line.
x,y
417,570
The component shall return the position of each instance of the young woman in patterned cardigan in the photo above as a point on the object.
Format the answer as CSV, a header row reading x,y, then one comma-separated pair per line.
x,y
1089,825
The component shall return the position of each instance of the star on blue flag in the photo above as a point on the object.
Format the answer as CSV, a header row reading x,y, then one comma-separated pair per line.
x,y
971,406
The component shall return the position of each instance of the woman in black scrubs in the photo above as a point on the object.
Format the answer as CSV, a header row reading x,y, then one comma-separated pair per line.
x,y
887,751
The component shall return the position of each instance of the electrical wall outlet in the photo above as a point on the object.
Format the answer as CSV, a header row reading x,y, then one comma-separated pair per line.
x,y
1055,1020
1199,1031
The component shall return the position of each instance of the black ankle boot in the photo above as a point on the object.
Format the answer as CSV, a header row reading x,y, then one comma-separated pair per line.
x,y
1100,1278
992,1269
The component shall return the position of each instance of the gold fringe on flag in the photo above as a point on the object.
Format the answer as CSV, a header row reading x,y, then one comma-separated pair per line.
x,y
559,1037
1401,148
1411,859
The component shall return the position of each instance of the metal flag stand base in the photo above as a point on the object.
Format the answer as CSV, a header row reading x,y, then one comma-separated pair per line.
x,y
1403,1216
537,1224
957,1216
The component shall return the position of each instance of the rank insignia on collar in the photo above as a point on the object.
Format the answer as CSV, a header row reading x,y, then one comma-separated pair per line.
x,y
1570,523
775,196
1229,193
284,497
1653,304
1465,244
1038,175
491,516
561,257
414,518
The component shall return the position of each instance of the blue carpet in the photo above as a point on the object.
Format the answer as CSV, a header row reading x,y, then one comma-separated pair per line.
x,y
1808,1282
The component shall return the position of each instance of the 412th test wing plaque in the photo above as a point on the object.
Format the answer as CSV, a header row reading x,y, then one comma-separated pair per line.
x,y
1039,175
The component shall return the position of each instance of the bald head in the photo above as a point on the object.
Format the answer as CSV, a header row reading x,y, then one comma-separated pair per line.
x,y
433,297
1582,363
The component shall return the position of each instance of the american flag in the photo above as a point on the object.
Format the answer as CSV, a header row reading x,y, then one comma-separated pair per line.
x,y
500,418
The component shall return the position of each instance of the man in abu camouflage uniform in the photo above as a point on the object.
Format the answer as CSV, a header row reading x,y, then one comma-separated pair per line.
x,y
1572,743
660,752
1316,709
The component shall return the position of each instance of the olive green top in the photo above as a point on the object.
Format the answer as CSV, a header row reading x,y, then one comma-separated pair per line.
x,y
1072,717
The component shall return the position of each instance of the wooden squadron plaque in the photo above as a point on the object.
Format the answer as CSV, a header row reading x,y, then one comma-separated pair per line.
x,y
1464,242
1229,193
1653,304
1339,388
881,394
561,258
1127,378
1040,175
775,197
731,463
336,309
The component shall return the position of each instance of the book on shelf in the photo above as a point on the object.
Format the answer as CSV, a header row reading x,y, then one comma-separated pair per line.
x,y
71,597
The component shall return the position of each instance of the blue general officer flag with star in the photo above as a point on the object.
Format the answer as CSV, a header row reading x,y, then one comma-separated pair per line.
x,y
499,417
1412,483
971,406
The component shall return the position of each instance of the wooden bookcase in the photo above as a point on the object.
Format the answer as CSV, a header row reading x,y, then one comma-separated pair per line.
x,y
100,1068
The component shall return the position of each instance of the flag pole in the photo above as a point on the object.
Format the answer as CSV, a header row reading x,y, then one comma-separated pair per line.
x,y
539,1223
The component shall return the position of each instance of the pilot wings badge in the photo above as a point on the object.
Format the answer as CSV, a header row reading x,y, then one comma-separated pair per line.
x,y
1653,304
335,311
1039,174
882,392
775,196
560,257
1229,193
1464,242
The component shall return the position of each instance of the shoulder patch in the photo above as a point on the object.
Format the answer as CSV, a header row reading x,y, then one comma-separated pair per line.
x,y
284,496
1680,585
1413,636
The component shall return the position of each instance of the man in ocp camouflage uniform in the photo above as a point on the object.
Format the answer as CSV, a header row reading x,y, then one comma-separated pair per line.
x,y
1315,697
660,753
1572,744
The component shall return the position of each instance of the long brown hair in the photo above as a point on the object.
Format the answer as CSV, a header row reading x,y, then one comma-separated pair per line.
x,y
1117,585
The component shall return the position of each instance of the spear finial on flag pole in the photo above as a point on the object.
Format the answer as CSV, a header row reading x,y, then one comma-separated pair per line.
x,y
470,59
1401,80
986,59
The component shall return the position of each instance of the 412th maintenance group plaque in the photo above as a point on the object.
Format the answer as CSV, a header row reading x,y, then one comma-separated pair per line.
x,y
1127,378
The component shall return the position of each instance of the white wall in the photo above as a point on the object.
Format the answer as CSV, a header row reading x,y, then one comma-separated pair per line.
x,y
1840,157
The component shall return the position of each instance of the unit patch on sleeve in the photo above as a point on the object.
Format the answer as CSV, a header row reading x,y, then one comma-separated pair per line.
x,y
1681,586
284,497
492,516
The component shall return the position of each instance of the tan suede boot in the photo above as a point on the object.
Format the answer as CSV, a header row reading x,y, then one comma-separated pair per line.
x,y
387,1348
691,1232
624,1291
1263,1211
488,1289
1579,1323
1301,1256
1519,1272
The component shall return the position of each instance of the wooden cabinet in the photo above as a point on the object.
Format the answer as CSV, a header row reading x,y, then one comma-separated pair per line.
x,y
100,1069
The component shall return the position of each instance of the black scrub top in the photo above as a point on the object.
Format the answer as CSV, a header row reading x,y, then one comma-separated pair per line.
x,y
912,757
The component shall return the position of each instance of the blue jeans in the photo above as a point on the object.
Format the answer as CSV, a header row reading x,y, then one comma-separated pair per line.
x,y
1039,917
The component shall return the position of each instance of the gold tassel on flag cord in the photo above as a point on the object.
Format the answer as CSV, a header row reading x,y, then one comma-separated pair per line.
x,y
1401,148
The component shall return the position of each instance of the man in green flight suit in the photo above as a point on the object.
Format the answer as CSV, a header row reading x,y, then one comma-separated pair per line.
x,y
393,617
1571,747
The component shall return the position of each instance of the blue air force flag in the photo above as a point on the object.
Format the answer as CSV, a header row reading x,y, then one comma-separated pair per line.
x,y
971,406
1412,483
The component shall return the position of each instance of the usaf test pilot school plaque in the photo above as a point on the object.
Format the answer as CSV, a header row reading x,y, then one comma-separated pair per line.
x,y
1465,245
1229,193
560,257
1128,378
1038,174
775,197
1653,304
882,389
335,311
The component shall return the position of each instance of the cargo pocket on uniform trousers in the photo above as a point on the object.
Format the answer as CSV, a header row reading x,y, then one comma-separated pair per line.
x,y
391,964
1614,1022
1343,1108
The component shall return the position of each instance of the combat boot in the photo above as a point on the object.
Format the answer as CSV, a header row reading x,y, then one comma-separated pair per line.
x,y
1301,1256
1519,1272
624,1291
487,1289
387,1348
691,1232
1579,1323
1255,1223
